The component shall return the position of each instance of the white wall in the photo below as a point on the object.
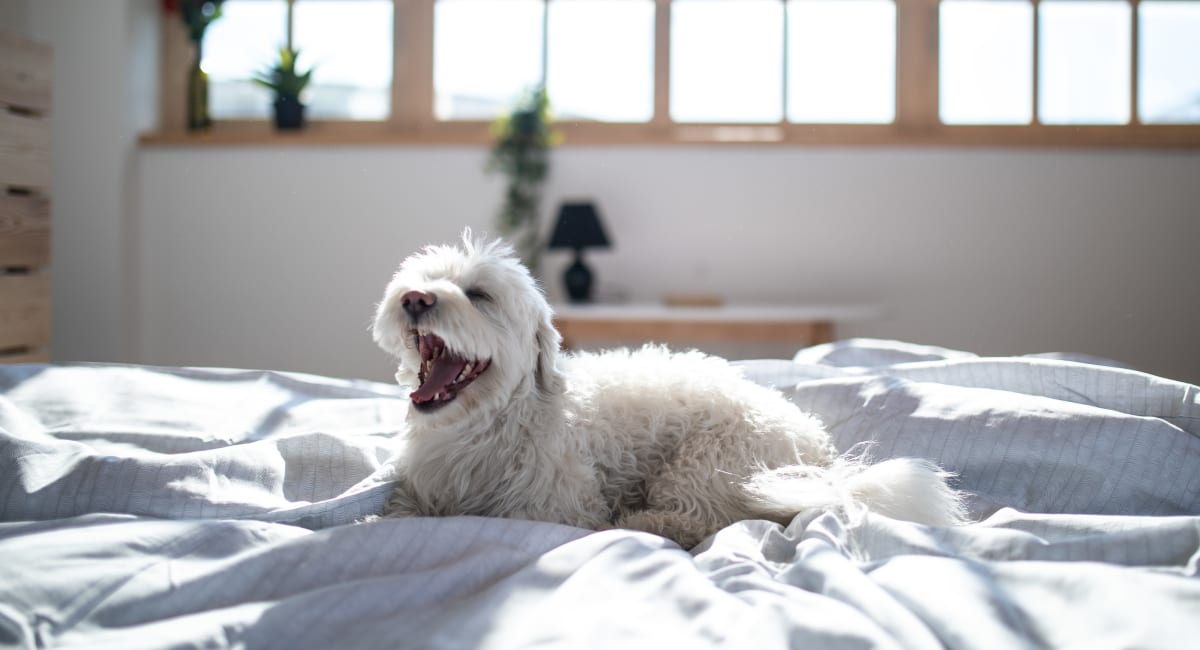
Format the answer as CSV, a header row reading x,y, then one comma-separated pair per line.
x,y
14,16
275,257
259,257
104,88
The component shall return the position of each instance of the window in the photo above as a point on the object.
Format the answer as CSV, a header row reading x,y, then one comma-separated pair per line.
x,y
488,52
993,72
727,61
485,53
1082,64
986,62
236,46
841,61
348,41
1084,61
1169,62
588,77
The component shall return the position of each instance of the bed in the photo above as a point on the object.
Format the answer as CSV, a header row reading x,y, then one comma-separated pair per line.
x,y
151,507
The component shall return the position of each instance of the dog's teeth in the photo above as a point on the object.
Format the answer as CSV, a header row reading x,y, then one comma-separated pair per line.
x,y
466,370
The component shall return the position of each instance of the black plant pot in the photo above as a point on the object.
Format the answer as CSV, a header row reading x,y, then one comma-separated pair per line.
x,y
289,114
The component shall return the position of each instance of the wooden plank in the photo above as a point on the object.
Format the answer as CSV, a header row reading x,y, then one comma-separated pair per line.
x,y
24,231
24,151
662,64
25,74
25,355
1134,48
412,64
24,311
917,65
801,333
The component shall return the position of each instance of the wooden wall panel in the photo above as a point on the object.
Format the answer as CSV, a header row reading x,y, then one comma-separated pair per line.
x,y
24,312
25,181
24,151
25,74
24,231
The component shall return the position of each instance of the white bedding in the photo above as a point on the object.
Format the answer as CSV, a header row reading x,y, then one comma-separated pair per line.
x,y
166,507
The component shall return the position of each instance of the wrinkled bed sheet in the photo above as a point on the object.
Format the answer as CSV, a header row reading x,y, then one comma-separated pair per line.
x,y
168,507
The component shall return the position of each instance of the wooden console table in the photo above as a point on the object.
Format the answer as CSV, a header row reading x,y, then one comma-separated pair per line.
x,y
798,325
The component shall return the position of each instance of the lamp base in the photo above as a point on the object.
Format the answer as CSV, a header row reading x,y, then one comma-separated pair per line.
x,y
578,280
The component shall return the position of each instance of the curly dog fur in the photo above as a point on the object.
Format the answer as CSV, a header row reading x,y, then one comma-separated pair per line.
x,y
674,443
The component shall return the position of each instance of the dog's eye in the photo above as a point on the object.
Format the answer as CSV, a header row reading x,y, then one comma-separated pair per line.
x,y
475,294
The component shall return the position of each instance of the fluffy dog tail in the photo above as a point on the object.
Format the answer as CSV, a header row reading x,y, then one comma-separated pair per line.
x,y
911,489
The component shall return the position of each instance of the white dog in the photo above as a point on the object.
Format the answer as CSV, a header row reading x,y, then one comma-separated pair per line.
x,y
677,444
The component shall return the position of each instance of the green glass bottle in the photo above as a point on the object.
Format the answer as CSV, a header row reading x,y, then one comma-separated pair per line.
x,y
197,95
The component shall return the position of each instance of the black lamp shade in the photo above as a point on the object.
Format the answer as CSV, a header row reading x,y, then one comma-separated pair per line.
x,y
578,227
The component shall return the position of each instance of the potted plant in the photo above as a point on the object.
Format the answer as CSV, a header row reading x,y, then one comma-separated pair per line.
x,y
287,85
522,153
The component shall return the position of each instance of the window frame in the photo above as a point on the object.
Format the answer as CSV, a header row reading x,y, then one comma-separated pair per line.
x,y
917,122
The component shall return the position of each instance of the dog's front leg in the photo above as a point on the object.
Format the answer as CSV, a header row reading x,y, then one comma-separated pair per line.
x,y
402,502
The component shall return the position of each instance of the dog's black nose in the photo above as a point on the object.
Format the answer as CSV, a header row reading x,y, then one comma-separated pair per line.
x,y
416,303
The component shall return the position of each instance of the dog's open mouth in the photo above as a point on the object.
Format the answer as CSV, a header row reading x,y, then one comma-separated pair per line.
x,y
442,374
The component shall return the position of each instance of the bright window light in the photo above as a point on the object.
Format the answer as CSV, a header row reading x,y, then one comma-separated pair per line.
x,y
842,61
986,62
727,61
350,44
1169,62
243,41
1085,62
601,60
486,54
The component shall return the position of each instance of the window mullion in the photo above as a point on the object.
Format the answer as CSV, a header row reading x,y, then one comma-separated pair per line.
x,y
291,24
543,79
1037,55
1134,118
412,64
917,65
662,63
785,80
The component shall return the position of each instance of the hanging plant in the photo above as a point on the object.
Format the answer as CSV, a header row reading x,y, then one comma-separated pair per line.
x,y
197,15
522,153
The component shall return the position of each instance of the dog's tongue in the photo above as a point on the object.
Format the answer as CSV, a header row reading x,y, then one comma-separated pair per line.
x,y
444,371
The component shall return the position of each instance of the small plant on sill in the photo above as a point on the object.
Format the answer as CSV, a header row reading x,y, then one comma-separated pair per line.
x,y
287,84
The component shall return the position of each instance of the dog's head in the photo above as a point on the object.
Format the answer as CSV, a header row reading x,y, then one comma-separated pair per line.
x,y
471,329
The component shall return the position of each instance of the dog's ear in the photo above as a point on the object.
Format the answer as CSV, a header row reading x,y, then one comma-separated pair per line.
x,y
548,378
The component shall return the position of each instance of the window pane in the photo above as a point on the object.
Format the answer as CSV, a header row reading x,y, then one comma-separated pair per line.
x,y
243,41
485,54
842,61
350,44
1084,70
1169,62
601,59
985,62
727,61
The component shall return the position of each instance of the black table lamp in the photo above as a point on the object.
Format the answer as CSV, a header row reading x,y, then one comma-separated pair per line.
x,y
578,227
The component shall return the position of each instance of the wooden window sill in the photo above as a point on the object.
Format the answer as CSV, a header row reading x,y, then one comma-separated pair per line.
x,y
337,133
